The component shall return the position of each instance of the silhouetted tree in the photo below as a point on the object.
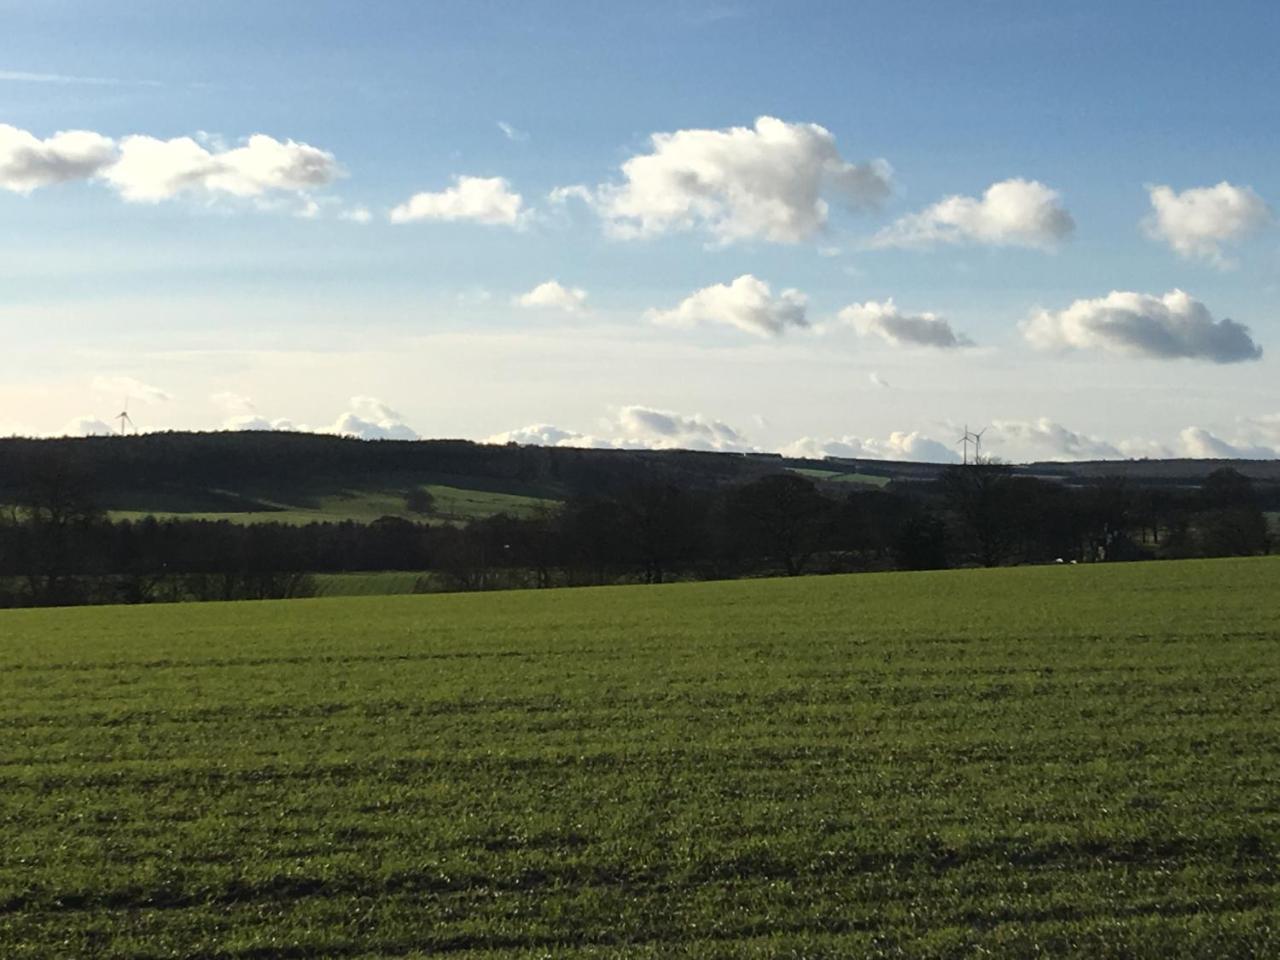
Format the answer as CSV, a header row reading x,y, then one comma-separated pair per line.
x,y
981,497
419,500
56,503
662,526
782,517
1230,523
920,542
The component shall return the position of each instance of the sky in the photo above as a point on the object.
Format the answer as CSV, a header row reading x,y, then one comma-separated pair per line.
x,y
845,229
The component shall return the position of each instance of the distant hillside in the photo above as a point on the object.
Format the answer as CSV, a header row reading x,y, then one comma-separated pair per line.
x,y
297,477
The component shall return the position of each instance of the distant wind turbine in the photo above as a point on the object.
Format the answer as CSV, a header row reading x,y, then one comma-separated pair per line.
x,y
126,421
974,438
977,444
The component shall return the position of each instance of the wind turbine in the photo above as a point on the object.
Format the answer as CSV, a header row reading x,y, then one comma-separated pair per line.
x,y
964,442
974,438
126,421
977,444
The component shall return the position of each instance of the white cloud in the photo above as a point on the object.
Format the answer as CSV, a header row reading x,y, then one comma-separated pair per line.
x,y
243,415
554,295
662,429
889,323
899,445
511,133
151,170
1198,221
1018,441
1175,325
1012,440
544,435
1014,213
1043,438
482,199
23,76
130,388
145,169
769,181
1201,444
252,421
878,380
87,427
371,419
746,304
562,195
637,428
27,162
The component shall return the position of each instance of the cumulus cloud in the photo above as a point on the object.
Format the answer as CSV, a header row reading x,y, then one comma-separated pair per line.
x,y
900,445
145,169
487,200
130,388
889,323
1201,444
662,429
1197,222
769,181
1173,326
150,170
1015,440
254,422
637,428
552,294
545,435
242,414
746,304
371,419
1011,213
1045,439
356,215
645,428
27,162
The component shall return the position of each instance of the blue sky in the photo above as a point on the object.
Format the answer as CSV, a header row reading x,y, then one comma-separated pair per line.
x,y
255,300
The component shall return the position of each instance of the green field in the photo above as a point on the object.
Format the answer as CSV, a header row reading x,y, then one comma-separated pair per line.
x,y
452,504
1052,761
840,476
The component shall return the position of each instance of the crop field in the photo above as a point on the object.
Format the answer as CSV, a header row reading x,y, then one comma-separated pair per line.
x,y
1053,761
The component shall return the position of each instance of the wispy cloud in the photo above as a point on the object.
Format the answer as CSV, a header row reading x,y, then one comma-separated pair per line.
x,y
23,76
512,133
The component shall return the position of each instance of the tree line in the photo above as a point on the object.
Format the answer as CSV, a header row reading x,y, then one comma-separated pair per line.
x,y
57,546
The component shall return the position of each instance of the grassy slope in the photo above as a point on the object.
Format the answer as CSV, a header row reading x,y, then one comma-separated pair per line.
x,y
1064,760
452,503
838,476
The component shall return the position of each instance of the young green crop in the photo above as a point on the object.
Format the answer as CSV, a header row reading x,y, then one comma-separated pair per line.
x,y
1074,761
